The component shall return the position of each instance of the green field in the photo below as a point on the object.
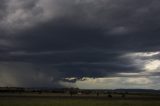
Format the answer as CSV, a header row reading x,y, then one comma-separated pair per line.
x,y
77,101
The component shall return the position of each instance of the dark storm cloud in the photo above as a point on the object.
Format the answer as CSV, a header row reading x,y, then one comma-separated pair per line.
x,y
72,32
78,38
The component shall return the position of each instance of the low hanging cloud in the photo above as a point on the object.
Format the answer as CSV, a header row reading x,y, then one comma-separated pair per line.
x,y
45,42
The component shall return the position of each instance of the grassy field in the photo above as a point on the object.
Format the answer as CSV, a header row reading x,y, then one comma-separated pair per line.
x,y
34,100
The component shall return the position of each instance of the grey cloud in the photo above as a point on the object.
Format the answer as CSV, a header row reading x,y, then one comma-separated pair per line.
x,y
77,38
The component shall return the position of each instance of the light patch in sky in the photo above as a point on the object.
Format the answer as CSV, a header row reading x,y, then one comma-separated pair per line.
x,y
152,66
97,83
112,83
131,74
138,81
147,54
145,61
142,54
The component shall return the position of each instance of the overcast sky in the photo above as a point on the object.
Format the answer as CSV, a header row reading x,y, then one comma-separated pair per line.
x,y
105,44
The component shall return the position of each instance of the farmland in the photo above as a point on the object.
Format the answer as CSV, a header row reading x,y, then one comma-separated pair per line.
x,y
78,97
48,99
